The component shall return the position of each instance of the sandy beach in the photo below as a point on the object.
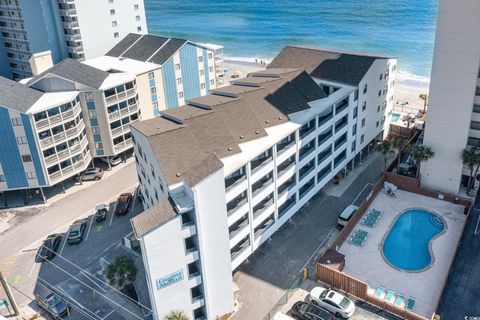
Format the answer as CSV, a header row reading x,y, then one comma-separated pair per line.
x,y
407,88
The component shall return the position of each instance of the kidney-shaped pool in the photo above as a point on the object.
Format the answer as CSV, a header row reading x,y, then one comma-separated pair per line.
x,y
407,244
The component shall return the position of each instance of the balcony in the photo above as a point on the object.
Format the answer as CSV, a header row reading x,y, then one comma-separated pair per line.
x,y
477,91
122,112
239,248
285,143
238,226
262,183
73,37
235,178
327,152
75,49
340,158
237,202
340,141
324,136
322,119
263,205
324,172
287,205
307,187
476,108
307,128
123,145
306,169
121,95
339,107
68,12
285,165
262,227
261,160
306,150
340,124
286,186
70,24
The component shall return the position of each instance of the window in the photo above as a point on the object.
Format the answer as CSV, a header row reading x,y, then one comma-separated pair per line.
x,y
180,94
153,90
365,87
210,69
378,109
381,76
139,29
355,112
355,97
26,158
95,130
362,138
151,75
179,80
116,35
112,12
110,1
98,145
202,72
363,122
177,66
364,105
16,121
135,6
137,18
212,82
31,175
202,85
379,93
354,146
200,59
210,55
114,24
2,178
377,124
155,105
92,113
22,140
88,96
354,129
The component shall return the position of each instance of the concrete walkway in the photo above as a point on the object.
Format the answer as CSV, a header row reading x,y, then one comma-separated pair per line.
x,y
274,267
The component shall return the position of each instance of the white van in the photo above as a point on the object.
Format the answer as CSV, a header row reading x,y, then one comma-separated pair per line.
x,y
346,215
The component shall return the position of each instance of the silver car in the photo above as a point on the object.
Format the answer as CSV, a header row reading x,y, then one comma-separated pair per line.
x,y
92,174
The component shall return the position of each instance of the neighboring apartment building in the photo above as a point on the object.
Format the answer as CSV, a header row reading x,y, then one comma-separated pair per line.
x,y
106,95
79,29
453,121
221,174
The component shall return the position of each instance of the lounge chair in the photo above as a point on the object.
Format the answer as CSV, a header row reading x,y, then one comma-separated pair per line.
x,y
380,292
357,241
370,289
390,296
410,303
400,301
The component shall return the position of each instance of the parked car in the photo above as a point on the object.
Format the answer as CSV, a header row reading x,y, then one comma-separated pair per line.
x,y
76,231
346,215
307,311
113,160
123,203
49,247
92,174
332,301
47,300
101,211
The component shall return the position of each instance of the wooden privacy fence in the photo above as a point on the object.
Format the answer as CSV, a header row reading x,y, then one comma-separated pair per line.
x,y
359,289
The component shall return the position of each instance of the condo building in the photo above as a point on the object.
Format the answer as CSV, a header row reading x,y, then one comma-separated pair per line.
x,y
220,174
78,29
76,111
453,122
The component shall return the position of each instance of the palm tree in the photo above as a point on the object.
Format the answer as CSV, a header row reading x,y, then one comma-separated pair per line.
x,y
407,118
400,144
176,315
385,148
424,97
122,272
471,158
421,153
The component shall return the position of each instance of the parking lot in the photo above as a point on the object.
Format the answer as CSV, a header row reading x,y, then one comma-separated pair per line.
x,y
77,273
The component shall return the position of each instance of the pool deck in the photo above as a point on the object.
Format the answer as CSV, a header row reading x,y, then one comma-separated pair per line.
x,y
367,263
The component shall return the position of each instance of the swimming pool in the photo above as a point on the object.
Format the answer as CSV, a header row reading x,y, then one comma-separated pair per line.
x,y
407,245
395,117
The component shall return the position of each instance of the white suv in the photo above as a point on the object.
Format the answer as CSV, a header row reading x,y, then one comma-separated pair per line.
x,y
332,301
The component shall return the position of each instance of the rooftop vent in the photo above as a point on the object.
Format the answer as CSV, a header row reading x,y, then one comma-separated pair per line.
x,y
241,137
178,174
257,132
230,149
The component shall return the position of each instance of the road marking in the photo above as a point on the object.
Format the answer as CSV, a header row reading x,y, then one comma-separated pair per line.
x,y
134,198
108,315
105,260
58,230
358,195
64,242
478,223
112,214
31,271
91,278
89,227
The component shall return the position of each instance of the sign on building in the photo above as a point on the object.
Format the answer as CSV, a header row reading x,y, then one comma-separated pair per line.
x,y
172,278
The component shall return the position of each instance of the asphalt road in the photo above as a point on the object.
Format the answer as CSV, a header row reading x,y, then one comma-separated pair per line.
x,y
61,213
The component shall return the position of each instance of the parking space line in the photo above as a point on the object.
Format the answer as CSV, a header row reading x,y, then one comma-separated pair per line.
x,y
112,214
105,260
135,193
108,315
31,271
91,278
89,227
64,242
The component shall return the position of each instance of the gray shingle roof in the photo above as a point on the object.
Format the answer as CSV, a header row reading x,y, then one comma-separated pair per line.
x,y
153,217
142,47
336,66
75,71
123,45
183,137
17,96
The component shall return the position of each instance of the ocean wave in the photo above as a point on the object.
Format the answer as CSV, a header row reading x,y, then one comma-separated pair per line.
x,y
410,79
247,59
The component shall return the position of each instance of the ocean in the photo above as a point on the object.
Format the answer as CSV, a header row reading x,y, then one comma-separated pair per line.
x,y
259,29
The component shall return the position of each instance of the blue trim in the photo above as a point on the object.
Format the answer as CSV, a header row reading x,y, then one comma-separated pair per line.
x,y
97,138
154,98
100,152
90,105
152,83
10,158
190,73
33,149
206,70
94,121
170,84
